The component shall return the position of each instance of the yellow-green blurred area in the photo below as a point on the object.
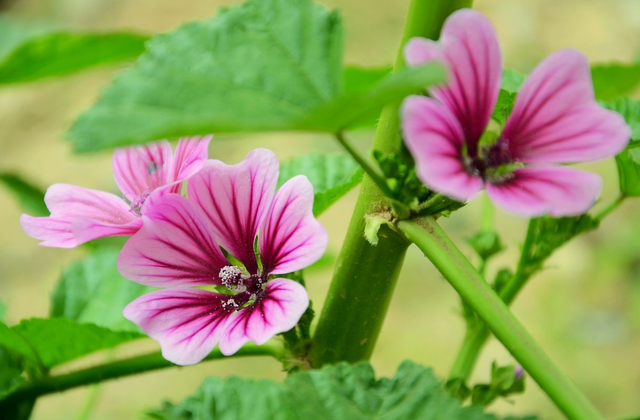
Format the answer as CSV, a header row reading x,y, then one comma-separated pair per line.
x,y
584,308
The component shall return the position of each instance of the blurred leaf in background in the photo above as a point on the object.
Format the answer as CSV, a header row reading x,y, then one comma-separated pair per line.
x,y
611,81
34,50
30,197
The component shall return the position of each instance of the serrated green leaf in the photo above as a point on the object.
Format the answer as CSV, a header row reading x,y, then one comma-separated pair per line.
x,y
265,65
10,371
30,197
611,81
332,176
551,233
92,291
340,392
50,342
62,53
630,111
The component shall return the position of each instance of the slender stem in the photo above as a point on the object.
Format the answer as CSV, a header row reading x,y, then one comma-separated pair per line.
x,y
374,173
454,266
478,333
118,369
487,214
611,207
366,275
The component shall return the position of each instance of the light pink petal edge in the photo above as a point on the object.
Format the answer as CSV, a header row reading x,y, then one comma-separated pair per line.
x,y
554,190
469,48
291,238
435,139
174,248
236,199
556,118
187,323
278,311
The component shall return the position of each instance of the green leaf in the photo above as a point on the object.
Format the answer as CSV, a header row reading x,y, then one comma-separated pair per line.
x,y
486,244
10,371
3,311
30,197
265,65
357,80
512,80
630,111
340,392
63,53
332,176
50,342
552,233
628,163
92,291
611,81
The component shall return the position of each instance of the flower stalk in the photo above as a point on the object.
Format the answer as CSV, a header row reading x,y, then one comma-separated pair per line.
x,y
475,291
366,275
121,368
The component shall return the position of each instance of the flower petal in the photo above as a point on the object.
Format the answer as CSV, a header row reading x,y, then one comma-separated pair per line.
x,y
96,213
174,248
291,238
191,154
141,169
556,118
236,198
53,232
554,190
469,47
187,323
277,311
435,139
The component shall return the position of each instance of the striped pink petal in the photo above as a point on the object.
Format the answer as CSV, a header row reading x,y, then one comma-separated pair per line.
x,y
469,48
554,190
291,238
142,169
556,118
191,154
79,215
236,199
174,248
434,136
278,310
188,323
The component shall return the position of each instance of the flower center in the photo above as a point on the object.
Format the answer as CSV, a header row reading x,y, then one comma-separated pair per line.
x,y
136,203
493,162
233,278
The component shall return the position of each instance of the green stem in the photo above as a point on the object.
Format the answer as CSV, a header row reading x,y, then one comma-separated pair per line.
x,y
455,267
477,334
611,207
372,171
366,275
118,369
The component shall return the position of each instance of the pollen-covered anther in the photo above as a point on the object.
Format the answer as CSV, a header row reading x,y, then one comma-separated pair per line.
x,y
136,203
233,278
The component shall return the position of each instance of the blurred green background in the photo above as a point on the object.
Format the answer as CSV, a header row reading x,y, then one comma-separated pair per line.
x,y
584,308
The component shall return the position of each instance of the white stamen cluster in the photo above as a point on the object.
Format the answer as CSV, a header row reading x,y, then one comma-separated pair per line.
x,y
232,278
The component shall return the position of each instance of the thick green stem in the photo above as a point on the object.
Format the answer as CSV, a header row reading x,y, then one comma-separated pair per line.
x,y
118,369
455,267
366,275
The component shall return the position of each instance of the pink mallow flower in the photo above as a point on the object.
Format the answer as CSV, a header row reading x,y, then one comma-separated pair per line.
x,y
178,249
80,214
555,120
